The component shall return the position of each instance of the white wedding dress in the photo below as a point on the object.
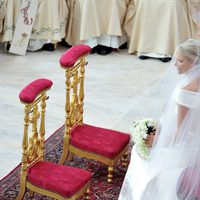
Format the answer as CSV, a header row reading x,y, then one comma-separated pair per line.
x,y
162,175
158,177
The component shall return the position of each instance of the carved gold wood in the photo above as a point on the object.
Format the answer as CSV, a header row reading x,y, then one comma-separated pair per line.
x,y
74,102
74,116
33,149
33,145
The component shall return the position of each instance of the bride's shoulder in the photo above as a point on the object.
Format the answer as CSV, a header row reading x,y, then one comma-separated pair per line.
x,y
193,86
189,96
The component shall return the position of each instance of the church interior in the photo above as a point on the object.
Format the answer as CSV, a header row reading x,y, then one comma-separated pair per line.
x,y
128,49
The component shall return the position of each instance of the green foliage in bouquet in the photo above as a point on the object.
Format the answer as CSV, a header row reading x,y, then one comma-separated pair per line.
x,y
140,131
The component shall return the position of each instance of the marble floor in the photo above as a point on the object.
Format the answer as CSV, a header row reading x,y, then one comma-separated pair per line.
x,y
111,85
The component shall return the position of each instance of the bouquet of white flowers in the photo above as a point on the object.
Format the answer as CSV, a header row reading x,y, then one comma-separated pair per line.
x,y
140,131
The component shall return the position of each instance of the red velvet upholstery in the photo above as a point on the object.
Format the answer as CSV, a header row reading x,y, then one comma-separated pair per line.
x,y
69,58
105,142
60,179
30,92
186,179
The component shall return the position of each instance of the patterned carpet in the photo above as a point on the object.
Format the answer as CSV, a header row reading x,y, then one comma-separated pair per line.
x,y
100,189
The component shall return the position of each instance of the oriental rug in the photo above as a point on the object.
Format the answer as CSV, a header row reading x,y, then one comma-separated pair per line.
x,y
99,190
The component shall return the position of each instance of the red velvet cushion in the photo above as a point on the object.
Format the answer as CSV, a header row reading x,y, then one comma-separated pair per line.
x,y
102,141
69,58
30,92
186,181
60,179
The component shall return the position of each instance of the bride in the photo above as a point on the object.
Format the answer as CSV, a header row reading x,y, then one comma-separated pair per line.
x,y
172,170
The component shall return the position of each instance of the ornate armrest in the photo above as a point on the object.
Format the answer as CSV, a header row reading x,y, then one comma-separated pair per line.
x,y
32,90
69,58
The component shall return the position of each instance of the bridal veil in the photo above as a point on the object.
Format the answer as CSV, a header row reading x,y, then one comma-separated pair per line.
x,y
172,171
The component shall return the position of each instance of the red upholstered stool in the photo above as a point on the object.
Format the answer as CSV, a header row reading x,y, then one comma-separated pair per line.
x,y
188,186
104,145
105,142
47,178
59,179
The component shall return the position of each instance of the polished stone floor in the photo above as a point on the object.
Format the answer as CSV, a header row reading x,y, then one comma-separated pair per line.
x,y
112,83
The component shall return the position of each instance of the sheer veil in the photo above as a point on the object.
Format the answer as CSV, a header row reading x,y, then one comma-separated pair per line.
x,y
173,167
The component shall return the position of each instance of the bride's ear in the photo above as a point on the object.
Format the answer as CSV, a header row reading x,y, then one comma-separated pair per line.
x,y
194,62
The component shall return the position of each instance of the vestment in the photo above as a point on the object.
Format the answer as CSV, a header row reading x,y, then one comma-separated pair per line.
x,y
158,26
96,22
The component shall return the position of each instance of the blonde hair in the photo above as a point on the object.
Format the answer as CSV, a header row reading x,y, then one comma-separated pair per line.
x,y
190,50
